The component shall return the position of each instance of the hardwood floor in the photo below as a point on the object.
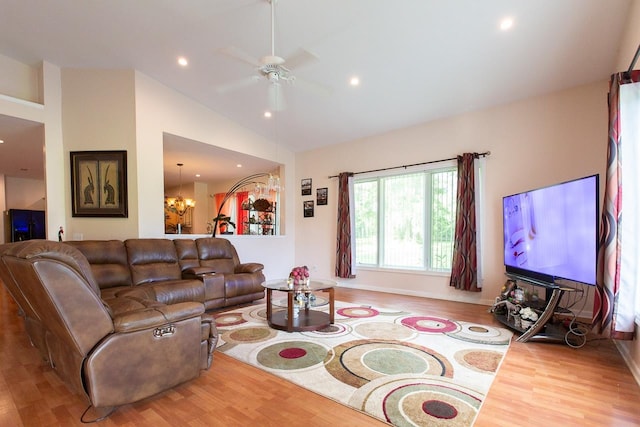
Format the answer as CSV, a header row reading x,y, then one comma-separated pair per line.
x,y
539,384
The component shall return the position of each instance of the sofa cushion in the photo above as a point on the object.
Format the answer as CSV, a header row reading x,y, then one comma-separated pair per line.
x,y
108,260
187,253
167,292
152,260
219,254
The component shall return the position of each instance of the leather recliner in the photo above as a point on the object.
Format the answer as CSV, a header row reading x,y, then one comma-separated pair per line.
x,y
112,354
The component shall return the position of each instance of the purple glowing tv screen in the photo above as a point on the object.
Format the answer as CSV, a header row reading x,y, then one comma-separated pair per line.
x,y
552,233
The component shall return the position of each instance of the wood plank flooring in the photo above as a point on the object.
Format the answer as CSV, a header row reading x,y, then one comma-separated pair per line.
x,y
539,384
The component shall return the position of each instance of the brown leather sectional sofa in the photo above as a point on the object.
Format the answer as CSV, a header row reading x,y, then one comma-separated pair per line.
x,y
120,321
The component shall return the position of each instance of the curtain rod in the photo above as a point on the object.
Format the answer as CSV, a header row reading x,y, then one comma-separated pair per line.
x,y
633,61
486,153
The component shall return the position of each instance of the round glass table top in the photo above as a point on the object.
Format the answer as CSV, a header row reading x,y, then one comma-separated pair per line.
x,y
313,285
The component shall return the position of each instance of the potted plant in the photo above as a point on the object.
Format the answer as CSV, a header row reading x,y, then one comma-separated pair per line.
x,y
223,222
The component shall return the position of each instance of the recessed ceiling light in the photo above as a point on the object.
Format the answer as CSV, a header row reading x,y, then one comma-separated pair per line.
x,y
197,175
1,141
238,165
182,61
506,24
354,81
267,114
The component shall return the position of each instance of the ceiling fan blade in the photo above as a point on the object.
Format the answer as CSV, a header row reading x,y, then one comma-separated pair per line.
x,y
299,59
276,100
240,55
314,87
237,84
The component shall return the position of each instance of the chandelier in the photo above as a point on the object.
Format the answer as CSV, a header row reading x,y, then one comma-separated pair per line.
x,y
179,203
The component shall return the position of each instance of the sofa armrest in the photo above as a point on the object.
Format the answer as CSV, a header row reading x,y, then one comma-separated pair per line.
x,y
197,271
156,316
249,267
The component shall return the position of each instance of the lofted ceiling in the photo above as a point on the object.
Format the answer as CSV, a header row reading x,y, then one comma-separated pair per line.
x,y
417,60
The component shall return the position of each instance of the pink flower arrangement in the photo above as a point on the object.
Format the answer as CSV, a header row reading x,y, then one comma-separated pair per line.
x,y
299,275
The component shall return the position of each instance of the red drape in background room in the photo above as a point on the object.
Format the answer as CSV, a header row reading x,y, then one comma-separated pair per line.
x,y
241,197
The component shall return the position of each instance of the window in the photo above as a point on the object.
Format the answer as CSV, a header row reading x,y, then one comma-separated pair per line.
x,y
406,221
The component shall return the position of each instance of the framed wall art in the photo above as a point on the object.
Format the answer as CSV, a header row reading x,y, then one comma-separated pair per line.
x,y
321,196
307,208
99,184
306,186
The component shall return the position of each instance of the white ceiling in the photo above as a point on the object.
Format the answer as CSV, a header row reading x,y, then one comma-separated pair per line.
x,y
418,60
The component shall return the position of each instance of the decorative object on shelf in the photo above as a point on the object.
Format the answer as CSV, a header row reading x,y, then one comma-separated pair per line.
x,y
99,184
179,204
224,222
528,317
262,189
262,205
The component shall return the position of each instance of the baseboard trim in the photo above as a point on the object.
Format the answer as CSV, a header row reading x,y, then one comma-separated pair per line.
x,y
628,359
472,299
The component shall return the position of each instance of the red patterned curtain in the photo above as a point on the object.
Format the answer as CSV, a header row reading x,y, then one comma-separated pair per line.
x,y
464,270
344,247
614,305
241,197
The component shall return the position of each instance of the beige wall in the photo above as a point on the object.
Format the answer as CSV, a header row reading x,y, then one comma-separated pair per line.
x,y
535,142
99,114
19,80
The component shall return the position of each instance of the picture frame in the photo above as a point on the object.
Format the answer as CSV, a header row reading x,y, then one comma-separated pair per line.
x,y
99,184
307,208
306,186
321,196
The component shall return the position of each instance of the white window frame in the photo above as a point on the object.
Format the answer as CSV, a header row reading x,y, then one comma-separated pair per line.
x,y
429,168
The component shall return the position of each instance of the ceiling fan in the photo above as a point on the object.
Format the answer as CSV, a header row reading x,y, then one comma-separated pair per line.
x,y
271,68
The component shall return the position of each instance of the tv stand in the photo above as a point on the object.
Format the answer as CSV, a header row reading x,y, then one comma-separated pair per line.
x,y
543,329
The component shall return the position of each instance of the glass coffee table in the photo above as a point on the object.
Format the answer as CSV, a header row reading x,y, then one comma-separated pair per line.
x,y
300,313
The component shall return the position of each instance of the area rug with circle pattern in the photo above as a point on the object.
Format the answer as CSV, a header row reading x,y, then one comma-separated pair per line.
x,y
403,368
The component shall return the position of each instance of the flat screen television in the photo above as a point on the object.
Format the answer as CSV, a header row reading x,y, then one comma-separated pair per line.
x,y
551,233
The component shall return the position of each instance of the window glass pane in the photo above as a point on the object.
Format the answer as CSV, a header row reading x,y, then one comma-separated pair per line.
x,y
366,227
403,221
443,196
406,221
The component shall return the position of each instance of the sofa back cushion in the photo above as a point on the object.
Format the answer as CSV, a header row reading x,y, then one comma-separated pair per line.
x,y
217,253
108,260
187,253
152,260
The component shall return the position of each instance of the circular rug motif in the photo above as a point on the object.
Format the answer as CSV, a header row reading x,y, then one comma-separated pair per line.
x,y
291,355
485,361
332,331
430,324
481,334
384,331
229,319
248,335
357,312
404,400
357,362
